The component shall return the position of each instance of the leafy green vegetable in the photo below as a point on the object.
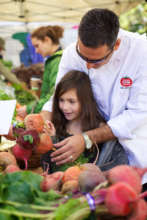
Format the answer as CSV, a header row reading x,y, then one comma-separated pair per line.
x,y
25,184
21,197
23,97
67,209
80,160
4,96
18,124
6,217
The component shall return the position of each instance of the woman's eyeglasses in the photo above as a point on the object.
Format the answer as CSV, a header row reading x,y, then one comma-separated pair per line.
x,y
93,61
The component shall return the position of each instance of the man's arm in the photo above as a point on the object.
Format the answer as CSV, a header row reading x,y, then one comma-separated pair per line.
x,y
101,134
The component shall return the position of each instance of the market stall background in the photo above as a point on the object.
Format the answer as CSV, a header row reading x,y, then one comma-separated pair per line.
x,y
57,10
26,15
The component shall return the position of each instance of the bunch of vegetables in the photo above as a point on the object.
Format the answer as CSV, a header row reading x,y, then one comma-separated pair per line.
x,y
97,195
32,142
30,139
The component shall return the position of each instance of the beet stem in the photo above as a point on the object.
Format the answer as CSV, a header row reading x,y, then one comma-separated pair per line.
x,y
26,163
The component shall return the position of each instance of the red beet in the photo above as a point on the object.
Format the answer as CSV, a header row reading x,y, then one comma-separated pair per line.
x,y
140,211
28,139
57,175
12,168
89,179
126,174
120,199
17,131
48,183
140,171
6,159
22,154
34,121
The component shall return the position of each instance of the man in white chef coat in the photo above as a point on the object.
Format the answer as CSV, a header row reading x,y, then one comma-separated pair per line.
x,y
116,62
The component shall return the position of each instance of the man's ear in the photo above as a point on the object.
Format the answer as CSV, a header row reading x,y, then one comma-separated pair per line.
x,y
117,44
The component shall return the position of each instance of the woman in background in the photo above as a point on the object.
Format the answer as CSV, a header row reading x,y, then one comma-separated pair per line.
x,y
45,39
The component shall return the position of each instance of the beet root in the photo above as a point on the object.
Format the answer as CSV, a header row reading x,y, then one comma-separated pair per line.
x,y
11,168
126,174
49,183
70,186
28,139
17,131
57,175
72,173
90,166
120,199
21,153
89,179
34,121
45,144
140,211
6,159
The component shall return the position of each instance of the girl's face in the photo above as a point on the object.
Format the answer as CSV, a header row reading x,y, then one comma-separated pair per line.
x,y
70,105
42,47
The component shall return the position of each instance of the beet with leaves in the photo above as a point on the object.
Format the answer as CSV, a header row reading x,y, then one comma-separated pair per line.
x,y
28,139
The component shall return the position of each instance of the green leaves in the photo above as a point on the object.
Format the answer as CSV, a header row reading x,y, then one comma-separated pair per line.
x,y
22,199
28,138
19,186
4,96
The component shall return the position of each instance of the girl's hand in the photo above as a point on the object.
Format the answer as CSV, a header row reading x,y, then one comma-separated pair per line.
x,y
21,111
69,149
49,128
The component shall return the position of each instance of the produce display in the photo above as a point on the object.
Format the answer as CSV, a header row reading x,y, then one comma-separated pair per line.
x,y
61,196
80,191
22,96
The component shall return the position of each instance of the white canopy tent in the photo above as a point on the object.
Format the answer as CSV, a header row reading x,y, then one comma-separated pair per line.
x,y
57,10
26,15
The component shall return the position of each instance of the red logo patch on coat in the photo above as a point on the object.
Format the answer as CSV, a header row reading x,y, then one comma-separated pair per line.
x,y
126,82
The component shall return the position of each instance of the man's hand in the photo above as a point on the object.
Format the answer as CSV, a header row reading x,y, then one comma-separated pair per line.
x,y
69,149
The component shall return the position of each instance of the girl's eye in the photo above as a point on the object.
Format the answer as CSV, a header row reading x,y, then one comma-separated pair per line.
x,y
60,100
72,101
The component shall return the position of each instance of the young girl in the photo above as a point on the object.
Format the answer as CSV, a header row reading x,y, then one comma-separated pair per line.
x,y
75,110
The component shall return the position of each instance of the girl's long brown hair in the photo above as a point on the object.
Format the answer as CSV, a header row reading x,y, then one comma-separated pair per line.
x,y
90,117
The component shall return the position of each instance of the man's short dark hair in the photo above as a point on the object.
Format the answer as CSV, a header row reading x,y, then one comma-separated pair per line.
x,y
99,27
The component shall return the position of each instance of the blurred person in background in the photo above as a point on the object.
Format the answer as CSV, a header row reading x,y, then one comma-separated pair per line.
x,y
46,40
